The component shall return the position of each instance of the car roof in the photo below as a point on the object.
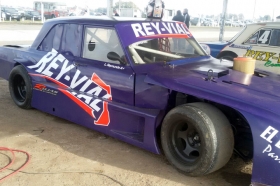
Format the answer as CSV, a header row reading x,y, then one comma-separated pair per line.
x,y
6,7
86,20
98,20
253,28
265,24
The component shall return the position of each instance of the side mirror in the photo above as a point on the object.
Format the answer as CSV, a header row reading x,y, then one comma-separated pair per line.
x,y
206,48
115,57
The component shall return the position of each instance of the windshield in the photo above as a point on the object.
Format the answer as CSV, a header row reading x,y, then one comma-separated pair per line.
x,y
164,50
237,35
35,13
11,10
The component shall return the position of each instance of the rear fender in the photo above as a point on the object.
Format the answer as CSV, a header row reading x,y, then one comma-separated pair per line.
x,y
226,53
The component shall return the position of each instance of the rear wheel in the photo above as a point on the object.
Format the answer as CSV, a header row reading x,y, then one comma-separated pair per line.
x,y
197,138
228,56
20,87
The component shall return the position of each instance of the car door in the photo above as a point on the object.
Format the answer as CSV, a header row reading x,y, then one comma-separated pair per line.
x,y
27,15
30,15
265,45
98,81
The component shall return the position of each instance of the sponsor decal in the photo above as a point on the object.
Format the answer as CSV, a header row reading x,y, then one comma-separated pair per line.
x,y
271,64
43,88
241,46
263,56
39,87
113,66
93,92
269,135
160,29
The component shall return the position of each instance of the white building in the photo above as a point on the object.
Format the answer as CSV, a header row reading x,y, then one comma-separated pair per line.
x,y
130,12
168,14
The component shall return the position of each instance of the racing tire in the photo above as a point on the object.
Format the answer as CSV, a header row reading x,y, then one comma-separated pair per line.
x,y
20,87
197,138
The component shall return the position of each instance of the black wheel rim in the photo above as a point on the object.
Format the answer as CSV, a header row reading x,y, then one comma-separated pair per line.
x,y
186,142
19,87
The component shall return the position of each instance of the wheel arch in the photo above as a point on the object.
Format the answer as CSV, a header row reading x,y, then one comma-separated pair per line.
x,y
237,119
21,61
17,63
226,53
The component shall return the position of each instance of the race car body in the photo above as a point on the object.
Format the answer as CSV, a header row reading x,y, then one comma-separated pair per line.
x,y
260,41
150,84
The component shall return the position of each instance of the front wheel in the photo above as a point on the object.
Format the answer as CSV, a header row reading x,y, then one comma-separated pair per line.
x,y
197,138
20,87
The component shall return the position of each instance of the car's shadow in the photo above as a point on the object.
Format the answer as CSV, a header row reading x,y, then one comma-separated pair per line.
x,y
95,146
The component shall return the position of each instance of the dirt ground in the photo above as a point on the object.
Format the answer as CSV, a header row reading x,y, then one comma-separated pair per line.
x,y
64,153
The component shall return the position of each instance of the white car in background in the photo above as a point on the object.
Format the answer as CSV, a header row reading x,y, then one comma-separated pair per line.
x,y
241,23
235,24
260,41
3,15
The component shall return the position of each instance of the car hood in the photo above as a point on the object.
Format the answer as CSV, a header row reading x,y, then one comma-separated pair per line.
x,y
215,47
215,80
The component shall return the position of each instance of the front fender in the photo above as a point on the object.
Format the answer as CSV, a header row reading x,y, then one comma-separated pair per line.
x,y
266,137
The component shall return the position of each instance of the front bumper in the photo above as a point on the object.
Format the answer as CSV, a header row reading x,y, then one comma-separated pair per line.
x,y
13,16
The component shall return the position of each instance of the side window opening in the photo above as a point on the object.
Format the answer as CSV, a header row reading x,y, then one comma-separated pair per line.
x,y
275,38
52,40
71,39
261,37
253,39
98,42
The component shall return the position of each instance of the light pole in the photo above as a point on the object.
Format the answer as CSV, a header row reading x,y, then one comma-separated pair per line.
x,y
254,10
222,27
0,12
42,12
120,6
110,8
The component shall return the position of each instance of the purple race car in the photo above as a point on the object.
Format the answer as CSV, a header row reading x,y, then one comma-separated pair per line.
x,y
150,84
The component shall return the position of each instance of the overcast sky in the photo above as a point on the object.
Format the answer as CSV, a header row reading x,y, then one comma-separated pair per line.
x,y
206,7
